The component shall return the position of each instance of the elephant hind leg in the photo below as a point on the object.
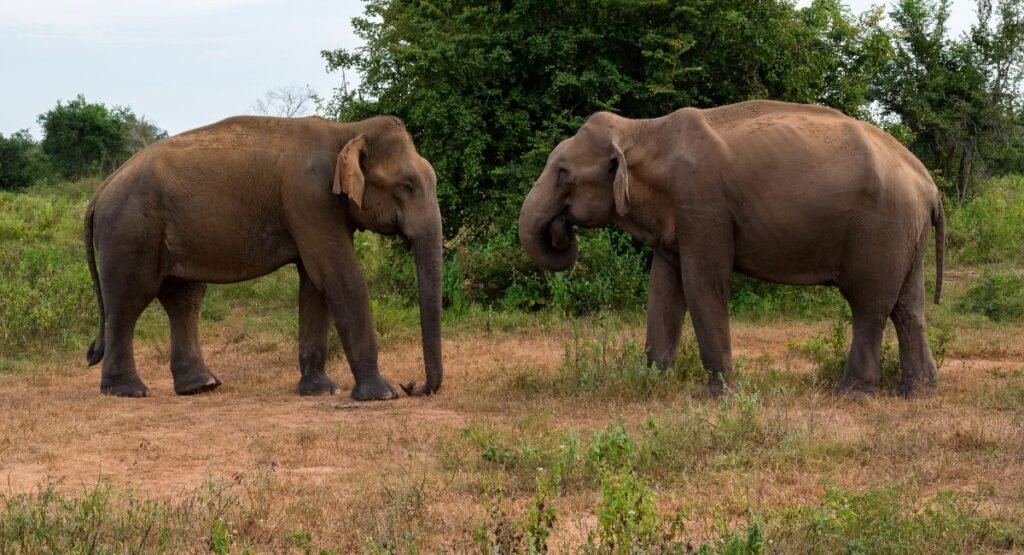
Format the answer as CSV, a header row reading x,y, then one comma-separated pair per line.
x,y
918,374
125,296
871,308
314,332
182,301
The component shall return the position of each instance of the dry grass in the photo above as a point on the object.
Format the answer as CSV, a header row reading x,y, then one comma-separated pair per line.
x,y
414,473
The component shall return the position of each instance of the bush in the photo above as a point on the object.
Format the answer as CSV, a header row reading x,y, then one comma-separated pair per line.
x,y
83,138
999,296
990,227
753,298
21,161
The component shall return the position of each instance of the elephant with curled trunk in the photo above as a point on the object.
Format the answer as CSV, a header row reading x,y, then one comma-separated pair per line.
x,y
786,193
241,198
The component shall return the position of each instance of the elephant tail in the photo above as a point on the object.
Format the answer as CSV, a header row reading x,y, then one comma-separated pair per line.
x,y
938,220
95,353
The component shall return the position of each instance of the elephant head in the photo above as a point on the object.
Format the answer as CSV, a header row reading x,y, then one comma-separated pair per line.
x,y
585,182
391,189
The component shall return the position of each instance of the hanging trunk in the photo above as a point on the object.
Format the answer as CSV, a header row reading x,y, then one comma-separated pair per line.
x,y
427,253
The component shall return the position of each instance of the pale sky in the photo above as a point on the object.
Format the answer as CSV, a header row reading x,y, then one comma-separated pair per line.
x,y
183,63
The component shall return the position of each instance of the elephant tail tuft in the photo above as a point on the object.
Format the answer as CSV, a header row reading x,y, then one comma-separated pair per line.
x,y
938,220
95,353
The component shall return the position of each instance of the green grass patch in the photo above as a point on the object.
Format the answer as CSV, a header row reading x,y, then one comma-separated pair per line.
x,y
892,519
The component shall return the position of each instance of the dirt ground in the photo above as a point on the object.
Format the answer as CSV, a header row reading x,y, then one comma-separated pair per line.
x,y
331,458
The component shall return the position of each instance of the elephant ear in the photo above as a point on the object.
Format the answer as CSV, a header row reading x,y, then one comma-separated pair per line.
x,y
348,175
620,185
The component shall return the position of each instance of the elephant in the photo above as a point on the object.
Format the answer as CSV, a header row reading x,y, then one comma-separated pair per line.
x,y
239,199
786,193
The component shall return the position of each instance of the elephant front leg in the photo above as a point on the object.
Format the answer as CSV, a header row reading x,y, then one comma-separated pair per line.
x,y
314,335
349,303
666,307
706,282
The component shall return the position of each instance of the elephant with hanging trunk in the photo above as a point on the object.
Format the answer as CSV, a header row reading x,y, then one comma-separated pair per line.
x,y
241,198
786,193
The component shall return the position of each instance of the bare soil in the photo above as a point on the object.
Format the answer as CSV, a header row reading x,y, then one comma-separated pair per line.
x,y
332,458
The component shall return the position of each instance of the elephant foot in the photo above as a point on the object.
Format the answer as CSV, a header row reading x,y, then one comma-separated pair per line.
x,y
854,389
718,387
916,388
196,382
373,389
124,387
317,383
716,390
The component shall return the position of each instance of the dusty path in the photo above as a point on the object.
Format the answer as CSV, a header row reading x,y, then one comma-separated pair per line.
x,y
55,425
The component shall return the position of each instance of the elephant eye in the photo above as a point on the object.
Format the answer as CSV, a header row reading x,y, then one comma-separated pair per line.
x,y
408,186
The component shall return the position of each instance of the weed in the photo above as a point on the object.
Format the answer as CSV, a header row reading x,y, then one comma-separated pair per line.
x,y
399,516
893,519
610,364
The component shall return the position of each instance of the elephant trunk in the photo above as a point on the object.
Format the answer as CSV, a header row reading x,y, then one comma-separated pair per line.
x,y
545,232
427,253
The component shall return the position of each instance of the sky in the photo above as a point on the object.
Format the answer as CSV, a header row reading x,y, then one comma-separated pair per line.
x,y
184,63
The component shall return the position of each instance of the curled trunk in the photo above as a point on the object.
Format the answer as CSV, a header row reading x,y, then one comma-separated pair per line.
x,y
545,232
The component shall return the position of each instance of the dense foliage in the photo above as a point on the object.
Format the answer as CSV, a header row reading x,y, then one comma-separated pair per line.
x,y
958,97
89,139
21,161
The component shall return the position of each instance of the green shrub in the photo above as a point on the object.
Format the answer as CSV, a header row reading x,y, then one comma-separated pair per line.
x,y
891,520
999,296
495,271
752,298
21,161
990,227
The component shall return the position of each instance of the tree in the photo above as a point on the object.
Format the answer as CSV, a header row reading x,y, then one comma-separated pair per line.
x,y
82,138
21,161
289,102
959,96
139,132
488,88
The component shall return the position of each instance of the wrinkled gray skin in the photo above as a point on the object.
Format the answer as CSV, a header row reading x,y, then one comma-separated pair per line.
x,y
239,199
786,193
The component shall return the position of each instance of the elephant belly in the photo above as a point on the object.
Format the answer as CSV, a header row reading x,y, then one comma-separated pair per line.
x,y
226,258
807,260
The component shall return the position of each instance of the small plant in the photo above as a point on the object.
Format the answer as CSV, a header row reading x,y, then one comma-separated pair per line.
x,y
611,364
220,538
628,519
530,533
400,515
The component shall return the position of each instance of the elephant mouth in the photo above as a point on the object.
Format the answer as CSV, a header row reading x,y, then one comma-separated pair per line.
x,y
560,231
